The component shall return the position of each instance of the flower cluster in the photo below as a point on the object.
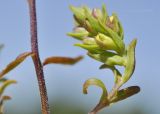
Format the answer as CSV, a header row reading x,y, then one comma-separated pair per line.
x,y
103,37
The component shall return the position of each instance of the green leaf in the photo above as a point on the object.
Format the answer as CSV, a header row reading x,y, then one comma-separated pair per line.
x,y
130,63
121,31
108,58
125,93
105,14
96,82
62,60
88,27
15,63
78,13
78,36
90,48
6,84
117,40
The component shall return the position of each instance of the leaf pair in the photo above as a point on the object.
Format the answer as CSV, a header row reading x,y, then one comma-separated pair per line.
x,y
50,60
18,61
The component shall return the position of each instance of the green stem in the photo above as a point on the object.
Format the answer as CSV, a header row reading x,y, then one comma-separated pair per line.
x,y
114,91
36,58
104,103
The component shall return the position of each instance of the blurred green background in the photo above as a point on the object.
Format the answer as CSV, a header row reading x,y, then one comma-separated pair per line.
x,y
140,18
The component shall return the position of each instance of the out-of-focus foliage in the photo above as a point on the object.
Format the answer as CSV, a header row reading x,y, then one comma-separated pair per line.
x,y
15,63
4,83
63,107
62,60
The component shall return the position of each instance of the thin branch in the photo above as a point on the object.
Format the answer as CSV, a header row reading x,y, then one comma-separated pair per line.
x,y
36,58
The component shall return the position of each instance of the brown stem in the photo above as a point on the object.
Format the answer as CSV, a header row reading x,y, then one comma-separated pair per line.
x,y
114,90
99,106
36,58
105,102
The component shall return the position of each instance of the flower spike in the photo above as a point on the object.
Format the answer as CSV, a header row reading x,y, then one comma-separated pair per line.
x,y
103,38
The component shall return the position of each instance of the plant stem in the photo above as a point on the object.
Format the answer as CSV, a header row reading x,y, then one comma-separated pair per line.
x,y
110,96
36,58
114,91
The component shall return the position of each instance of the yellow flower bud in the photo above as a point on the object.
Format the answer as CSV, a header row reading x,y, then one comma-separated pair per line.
x,y
105,42
89,41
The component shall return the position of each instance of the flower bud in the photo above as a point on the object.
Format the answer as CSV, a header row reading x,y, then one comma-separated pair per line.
x,y
97,13
89,41
78,30
114,24
79,33
105,42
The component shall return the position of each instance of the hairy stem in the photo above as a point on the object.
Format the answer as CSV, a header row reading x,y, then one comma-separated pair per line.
x,y
36,58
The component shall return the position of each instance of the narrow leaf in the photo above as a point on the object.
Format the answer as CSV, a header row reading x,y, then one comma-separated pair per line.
x,y
125,93
5,84
121,31
117,40
15,63
108,58
90,48
96,82
62,60
78,36
78,13
6,97
130,64
105,14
